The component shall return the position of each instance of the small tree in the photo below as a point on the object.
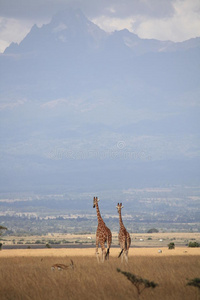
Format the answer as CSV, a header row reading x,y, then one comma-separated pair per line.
x,y
140,283
2,228
171,245
196,283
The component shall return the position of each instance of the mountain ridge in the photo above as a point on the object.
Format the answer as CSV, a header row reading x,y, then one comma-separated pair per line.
x,y
75,20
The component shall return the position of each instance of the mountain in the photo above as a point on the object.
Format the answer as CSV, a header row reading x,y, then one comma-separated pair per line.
x,y
81,108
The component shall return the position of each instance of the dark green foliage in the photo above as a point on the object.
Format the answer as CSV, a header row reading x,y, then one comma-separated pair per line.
x,y
153,230
1,246
171,245
193,244
194,282
138,282
48,246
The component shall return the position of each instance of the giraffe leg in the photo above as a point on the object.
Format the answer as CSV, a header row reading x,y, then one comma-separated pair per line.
x,y
103,252
97,255
97,252
102,256
126,256
107,251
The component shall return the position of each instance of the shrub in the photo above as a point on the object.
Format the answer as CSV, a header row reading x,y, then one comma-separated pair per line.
x,y
153,230
2,228
193,244
171,246
38,242
1,246
194,282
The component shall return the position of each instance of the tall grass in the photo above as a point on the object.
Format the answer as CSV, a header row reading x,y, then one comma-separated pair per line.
x,y
32,278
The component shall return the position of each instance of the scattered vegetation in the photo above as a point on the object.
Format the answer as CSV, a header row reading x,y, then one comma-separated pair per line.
x,y
171,246
193,244
2,228
140,283
194,282
153,230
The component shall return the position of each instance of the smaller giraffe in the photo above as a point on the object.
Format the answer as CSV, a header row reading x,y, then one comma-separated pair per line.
x,y
103,234
124,236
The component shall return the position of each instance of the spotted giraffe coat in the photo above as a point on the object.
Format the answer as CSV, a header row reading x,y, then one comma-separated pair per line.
x,y
124,236
103,233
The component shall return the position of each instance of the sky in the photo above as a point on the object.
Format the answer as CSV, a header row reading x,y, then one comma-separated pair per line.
x,y
175,20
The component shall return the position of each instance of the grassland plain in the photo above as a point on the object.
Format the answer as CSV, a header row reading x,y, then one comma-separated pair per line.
x,y
26,274
161,239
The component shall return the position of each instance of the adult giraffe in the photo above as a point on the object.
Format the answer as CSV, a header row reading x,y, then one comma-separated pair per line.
x,y
103,234
124,237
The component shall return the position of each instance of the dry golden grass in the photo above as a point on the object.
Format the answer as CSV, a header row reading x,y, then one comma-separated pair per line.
x,y
91,252
27,274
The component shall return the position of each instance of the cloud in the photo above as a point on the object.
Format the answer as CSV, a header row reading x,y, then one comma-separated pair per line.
x,y
180,21
54,103
112,24
183,25
11,105
12,30
37,9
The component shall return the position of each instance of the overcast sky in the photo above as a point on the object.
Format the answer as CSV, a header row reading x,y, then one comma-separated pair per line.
x,y
175,20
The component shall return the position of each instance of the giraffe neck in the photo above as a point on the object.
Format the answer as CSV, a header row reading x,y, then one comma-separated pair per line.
x,y
98,214
120,219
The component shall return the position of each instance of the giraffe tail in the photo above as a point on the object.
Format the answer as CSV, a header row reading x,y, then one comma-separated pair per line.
x,y
125,248
126,243
107,253
120,253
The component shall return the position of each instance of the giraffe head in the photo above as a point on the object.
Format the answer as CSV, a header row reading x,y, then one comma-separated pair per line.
x,y
95,201
119,206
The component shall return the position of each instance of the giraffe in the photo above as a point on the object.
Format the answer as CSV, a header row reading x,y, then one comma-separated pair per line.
x,y
124,237
103,234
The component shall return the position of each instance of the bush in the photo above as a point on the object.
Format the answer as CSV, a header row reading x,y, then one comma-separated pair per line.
x,y
193,244
171,246
194,282
1,246
153,230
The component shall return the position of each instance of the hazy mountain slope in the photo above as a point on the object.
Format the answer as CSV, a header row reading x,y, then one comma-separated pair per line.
x,y
82,107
